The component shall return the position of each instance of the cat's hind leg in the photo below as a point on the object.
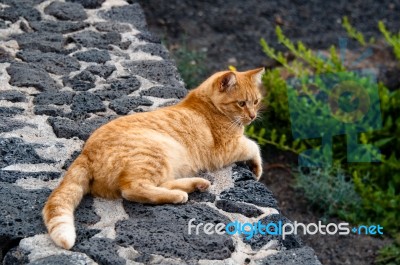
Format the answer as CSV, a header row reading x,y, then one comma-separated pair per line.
x,y
146,192
187,184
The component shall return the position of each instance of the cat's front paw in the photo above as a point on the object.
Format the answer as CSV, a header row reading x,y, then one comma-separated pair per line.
x,y
257,169
203,185
180,197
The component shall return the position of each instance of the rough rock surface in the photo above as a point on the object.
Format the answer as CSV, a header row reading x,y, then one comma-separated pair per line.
x,y
66,68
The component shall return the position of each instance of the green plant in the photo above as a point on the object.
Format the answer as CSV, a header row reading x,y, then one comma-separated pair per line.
x,y
377,184
354,33
392,39
390,255
330,190
191,64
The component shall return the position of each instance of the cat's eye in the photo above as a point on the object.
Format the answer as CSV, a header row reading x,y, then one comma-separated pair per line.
x,y
256,102
241,103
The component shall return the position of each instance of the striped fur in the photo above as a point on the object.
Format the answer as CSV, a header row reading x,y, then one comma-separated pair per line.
x,y
150,157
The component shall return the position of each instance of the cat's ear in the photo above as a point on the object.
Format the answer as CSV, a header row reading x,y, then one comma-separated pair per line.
x,y
257,75
227,82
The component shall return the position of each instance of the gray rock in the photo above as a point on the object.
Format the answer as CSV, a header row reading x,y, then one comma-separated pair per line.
x,y
198,196
298,256
89,3
132,14
102,250
163,72
237,207
241,172
119,87
5,57
112,26
259,240
12,176
60,260
66,128
97,56
51,62
165,92
13,96
54,97
87,102
57,26
48,110
125,104
42,41
16,151
250,191
103,71
13,13
25,75
69,161
8,125
15,255
154,49
147,36
163,230
66,11
21,215
81,82
90,38
10,111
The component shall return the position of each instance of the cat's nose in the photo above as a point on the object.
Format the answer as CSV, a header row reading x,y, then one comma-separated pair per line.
x,y
252,115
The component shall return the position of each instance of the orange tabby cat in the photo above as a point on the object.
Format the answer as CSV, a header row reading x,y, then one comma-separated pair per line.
x,y
149,157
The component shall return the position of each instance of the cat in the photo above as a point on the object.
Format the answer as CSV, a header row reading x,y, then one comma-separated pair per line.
x,y
150,157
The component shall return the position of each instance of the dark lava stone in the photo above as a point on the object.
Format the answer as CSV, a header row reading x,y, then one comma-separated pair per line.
x,y
42,41
13,176
13,96
89,3
112,26
57,26
52,62
15,12
298,256
48,110
147,36
8,125
119,87
102,250
25,75
5,57
97,56
15,255
10,111
103,71
163,72
198,196
21,211
238,207
154,49
16,151
132,14
66,11
125,104
241,172
250,191
69,161
81,82
66,128
90,38
87,102
259,240
163,230
59,260
54,97
164,92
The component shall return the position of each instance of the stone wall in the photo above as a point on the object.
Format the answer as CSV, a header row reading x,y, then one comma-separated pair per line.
x,y
67,67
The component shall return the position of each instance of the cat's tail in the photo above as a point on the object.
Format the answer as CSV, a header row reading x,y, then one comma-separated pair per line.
x,y
58,213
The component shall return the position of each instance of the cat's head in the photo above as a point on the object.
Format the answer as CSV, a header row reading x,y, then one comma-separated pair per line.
x,y
238,94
